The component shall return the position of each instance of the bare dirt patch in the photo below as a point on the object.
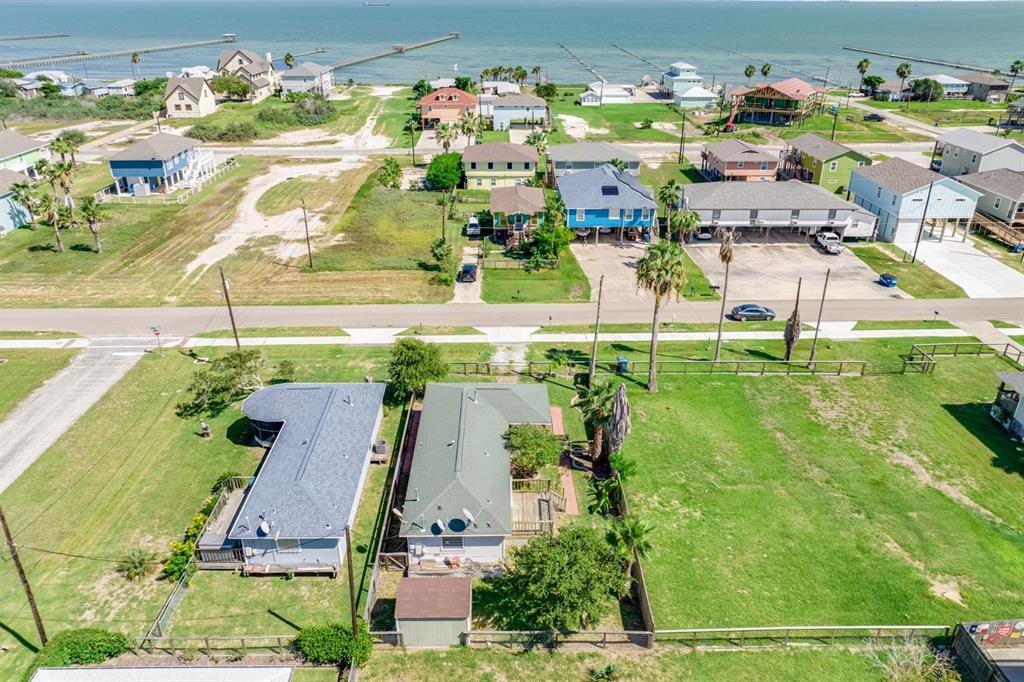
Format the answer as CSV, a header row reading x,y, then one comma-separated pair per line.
x,y
574,126
945,588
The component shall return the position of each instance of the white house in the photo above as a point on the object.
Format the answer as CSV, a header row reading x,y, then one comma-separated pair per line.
x,y
188,98
499,88
199,71
308,77
598,94
679,78
695,98
952,88
441,82
901,193
122,88
51,76
521,110
964,151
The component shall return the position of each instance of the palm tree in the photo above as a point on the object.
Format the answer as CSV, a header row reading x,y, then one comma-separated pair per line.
x,y
538,139
618,164
25,195
413,125
537,71
470,125
73,139
766,69
1015,70
50,207
64,173
136,564
520,74
749,72
601,494
136,58
90,209
289,59
631,539
60,146
595,402
46,171
445,134
684,222
661,271
903,71
792,334
668,195
725,254
621,421
862,68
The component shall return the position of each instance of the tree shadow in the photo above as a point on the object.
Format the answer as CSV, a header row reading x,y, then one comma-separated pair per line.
x,y
84,248
42,247
975,418
240,432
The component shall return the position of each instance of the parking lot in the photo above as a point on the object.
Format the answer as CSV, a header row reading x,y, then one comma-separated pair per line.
x,y
618,265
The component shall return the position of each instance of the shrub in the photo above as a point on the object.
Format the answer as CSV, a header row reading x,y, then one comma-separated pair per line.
x,y
626,466
413,364
241,131
87,646
277,116
334,644
151,86
646,123
230,85
445,171
314,111
8,88
533,447
221,480
10,73
547,91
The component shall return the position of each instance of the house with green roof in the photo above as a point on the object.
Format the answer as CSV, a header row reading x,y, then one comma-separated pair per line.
x,y
459,508
811,158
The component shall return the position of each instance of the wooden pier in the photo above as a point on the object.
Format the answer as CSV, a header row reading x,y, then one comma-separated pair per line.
x,y
91,56
922,60
315,50
639,58
582,63
396,49
42,36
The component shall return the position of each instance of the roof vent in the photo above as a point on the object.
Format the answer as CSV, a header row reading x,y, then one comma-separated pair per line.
x,y
609,190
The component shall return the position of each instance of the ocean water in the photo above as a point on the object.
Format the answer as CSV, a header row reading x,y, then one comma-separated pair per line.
x,y
799,38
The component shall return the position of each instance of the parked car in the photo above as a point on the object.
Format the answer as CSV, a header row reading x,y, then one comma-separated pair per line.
x,y
829,242
473,227
887,280
467,273
752,311
874,117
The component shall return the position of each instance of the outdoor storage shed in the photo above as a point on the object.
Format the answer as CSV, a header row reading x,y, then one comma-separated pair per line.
x,y
434,611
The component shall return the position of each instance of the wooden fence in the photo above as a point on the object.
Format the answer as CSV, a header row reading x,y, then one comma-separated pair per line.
x,y
230,556
637,572
542,368
923,357
513,264
798,635
528,639
171,646
109,195
178,592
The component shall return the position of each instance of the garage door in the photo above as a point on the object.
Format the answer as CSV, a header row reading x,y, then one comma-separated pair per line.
x,y
906,230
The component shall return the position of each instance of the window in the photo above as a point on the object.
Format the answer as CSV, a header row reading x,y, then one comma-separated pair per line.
x,y
739,164
628,215
177,107
581,215
479,182
974,158
494,181
289,546
472,165
859,164
645,215
893,199
996,203
878,194
526,165
508,165
188,107
833,166
764,165
753,214
794,214
490,165
451,544
181,95
613,213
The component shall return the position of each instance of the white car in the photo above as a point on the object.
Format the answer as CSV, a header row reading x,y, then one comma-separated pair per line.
x,y
829,242
473,227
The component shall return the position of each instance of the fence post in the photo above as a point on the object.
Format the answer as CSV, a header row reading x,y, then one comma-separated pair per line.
x,y
206,640
280,647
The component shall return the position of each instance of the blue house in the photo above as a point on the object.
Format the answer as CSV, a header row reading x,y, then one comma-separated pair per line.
x,y
12,214
159,164
606,199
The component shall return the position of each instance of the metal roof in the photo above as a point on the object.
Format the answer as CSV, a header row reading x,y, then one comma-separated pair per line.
x,y
461,462
434,597
306,70
310,481
791,194
176,673
604,187
517,100
1002,181
595,152
975,141
13,143
159,147
818,147
984,79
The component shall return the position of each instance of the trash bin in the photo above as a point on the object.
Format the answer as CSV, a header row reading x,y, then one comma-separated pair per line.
x,y
621,364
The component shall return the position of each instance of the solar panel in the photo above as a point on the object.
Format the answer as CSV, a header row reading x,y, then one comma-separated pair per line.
x,y
609,190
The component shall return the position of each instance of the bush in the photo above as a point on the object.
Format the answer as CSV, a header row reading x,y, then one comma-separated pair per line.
x,y
8,88
277,116
547,91
87,646
315,110
414,364
533,447
241,131
221,480
626,466
230,85
151,86
444,172
334,644
646,123
10,73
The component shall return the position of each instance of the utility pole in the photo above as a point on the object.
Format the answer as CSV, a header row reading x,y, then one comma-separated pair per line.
x,y
835,117
817,327
924,214
24,578
682,139
231,312
597,330
305,221
351,579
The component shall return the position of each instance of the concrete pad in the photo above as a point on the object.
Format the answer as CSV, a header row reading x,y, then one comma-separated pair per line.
x,y
766,272
469,292
618,265
967,267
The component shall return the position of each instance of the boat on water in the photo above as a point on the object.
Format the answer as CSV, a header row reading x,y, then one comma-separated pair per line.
x,y
367,3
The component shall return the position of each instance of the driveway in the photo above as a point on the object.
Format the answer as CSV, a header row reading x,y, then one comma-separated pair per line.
x,y
469,292
617,264
765,272
976,273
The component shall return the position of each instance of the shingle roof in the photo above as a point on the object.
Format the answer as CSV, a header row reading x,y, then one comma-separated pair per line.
x,y
519,101
435,597
305,70
976,141
818,147
159,147
699,92
1014,380
13,143
226,56
898,175
310,481
444,95
166,673
594,152
9,178
791,194
500,151
983,78
604,187
1002,181
517,199
738,150
461,462
193,86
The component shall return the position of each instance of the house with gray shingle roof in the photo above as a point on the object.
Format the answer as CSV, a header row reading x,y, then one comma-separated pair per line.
x,y
20,153
901,194
308,77
189,98
606,199
964,151
1002,194
737,161
292,517
255,70
811,158
580,156
458,505
159,163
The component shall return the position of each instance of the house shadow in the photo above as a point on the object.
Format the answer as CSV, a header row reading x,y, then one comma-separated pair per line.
x,y
1007,454
240,432
382,617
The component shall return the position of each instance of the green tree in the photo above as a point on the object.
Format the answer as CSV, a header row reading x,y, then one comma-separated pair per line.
x,y
595,402
726,252
136,58
289,59
390,174
422,88
766,69
618,164
61,147
862,68
221,382
903,72
927,90
602,495
749,72
547,91
50,91
631,539
64,172
444,172
150,86
566,582
536,72
445,134
1015,70
26,196
413,364
668,195
470,125
334,644
91,213
547,241
464,83
71,140
532,448
620,423
136,565
662,271
231,85
50,207
8,88
871,83
685,222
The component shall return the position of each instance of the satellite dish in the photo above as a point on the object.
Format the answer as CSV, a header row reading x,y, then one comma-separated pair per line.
x,y
440,524
264,527
469,516
394,510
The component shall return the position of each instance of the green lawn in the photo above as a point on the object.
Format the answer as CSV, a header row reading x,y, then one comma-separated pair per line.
x,y
564,284
263,332
428,330
613,122
494,136
25,370
946,112
394,116
7,335
641,328
864,325
917,279
498,665
998,250
850,127
683,173
1001,324
698,286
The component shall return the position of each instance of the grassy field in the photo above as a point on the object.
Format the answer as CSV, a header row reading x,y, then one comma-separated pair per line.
x,y
851,127
8,335
917,279
25,370
263,332
564,284
864,325
613,122
640,328
946,112
394,116
496,665
998,250
683,173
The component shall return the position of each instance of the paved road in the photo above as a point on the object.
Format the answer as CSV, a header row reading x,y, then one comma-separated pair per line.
x,y
43,417
184,321
893,117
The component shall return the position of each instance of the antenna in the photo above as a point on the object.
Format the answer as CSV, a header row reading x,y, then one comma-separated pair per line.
x,y
440,525
468,515
396,512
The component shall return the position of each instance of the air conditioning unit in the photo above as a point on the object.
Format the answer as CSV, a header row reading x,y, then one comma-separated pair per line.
x,y
380,447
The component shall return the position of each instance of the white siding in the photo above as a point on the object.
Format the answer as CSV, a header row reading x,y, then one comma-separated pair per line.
x,y
484,549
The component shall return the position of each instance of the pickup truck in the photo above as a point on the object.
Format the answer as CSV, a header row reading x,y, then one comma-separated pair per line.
x,y
829,242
